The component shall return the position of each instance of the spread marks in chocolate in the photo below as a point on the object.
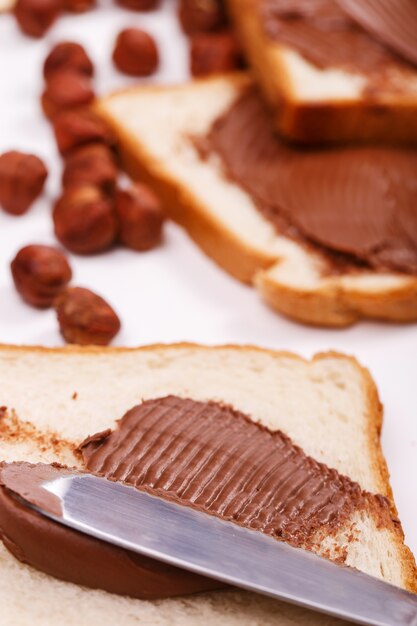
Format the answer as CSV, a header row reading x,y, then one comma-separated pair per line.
x,y
217,459
356,205
329,34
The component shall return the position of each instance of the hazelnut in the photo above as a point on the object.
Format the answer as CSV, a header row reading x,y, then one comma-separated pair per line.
x,y
140,217
85,220
136,53
66,90
22,178
78,6
80,127
40,273
214,53
199,16
93,164
85,318
36,16
138,5
68,56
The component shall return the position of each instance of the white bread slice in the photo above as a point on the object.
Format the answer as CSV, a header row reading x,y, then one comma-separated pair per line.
x,y
323,105
329,406
155,127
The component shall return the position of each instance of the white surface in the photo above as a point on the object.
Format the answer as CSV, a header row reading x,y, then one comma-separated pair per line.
x,y
174,293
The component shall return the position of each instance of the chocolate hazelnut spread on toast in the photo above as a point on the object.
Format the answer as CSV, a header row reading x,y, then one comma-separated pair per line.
x,y
201,454
367,36
357,205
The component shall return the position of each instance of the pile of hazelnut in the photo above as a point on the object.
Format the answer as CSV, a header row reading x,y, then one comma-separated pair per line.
x,y
35,17
93,213
42,275
213,46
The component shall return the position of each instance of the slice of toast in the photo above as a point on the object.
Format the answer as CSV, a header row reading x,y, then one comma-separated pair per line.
x,y
53,398
156,128
333,104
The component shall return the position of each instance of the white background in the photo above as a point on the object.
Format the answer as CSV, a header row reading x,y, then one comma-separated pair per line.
x,y
175,293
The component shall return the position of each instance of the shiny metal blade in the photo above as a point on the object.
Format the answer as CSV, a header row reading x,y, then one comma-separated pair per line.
x,y
222,550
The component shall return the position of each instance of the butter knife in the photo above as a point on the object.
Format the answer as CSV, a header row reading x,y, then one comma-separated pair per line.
x,y
198,542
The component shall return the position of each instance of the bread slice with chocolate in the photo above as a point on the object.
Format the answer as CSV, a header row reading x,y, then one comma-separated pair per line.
x,y
334,70
221,416
327,237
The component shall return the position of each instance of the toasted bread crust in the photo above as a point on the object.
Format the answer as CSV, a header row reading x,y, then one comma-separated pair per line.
x,y
374,415
337,306
330,303
381,118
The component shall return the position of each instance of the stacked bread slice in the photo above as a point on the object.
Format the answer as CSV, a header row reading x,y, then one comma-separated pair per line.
x,y
157,129
53,399
335,103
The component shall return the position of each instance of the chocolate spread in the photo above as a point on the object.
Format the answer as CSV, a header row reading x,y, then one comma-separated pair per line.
x,y
356,204
393,22
78,558
335,33
203,454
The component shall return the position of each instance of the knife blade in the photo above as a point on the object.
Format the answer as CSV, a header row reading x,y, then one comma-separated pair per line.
x,y
201,543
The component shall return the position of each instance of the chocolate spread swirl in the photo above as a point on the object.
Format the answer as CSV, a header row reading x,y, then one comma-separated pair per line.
x,y
393,22
358,37
355,204
217,459
204,455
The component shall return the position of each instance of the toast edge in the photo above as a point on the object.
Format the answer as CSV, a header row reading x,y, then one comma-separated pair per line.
x,y
306,122
330,304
